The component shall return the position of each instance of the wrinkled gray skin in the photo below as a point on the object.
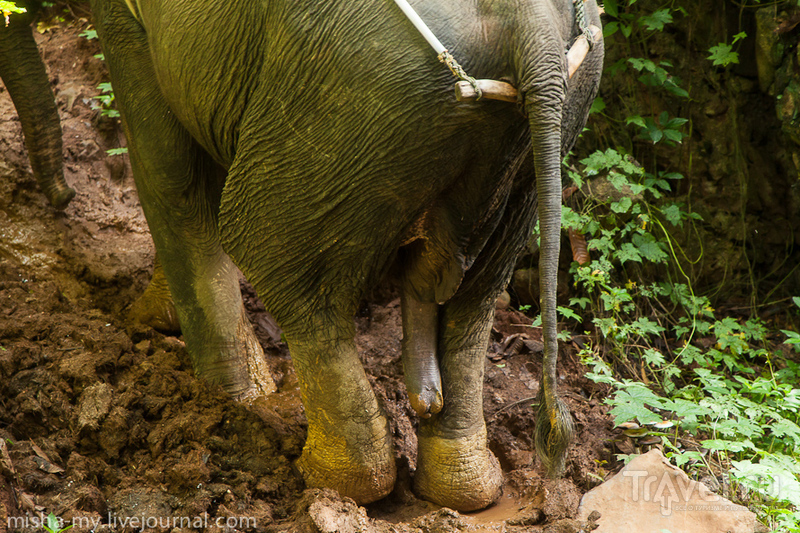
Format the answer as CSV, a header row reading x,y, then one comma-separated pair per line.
x,y
24,75
317,145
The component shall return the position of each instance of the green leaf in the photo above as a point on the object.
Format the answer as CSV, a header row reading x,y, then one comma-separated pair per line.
x,y
673,135
610,7
644,327
739,36
653,357
598,105
649,248
610,29
723,445
581,302
566,312
654,132
627,411
683,458
688,409
628,252
786,428
723,54
622,206
656,20
673,214
636,119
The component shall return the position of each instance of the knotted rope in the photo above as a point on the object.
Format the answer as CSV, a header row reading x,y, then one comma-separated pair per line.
x,y
458,71
583,24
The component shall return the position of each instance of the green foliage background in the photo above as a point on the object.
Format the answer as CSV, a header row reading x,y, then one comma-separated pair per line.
x,y
688,203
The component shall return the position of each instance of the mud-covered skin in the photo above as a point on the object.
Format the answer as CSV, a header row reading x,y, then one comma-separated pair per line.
x,y
315,145
24,75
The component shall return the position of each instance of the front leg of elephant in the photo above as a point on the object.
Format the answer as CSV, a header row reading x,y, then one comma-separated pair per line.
x,y
25,77
349,444
155,307
179,187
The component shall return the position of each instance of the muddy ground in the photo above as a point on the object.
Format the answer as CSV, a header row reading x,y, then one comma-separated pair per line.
x,y
103,423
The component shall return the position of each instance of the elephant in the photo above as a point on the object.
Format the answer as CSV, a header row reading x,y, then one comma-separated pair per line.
x,y
318,147
25,77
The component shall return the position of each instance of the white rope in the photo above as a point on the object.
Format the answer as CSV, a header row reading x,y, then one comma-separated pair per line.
x,y
441,52
421,26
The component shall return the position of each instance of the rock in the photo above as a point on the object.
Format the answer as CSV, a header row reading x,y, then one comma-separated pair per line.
x,y
503,301
94,405
650,494
324,511
768,48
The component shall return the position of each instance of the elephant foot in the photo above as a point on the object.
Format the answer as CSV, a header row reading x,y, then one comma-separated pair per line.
x,y
461,473
62,197
155,308
357,461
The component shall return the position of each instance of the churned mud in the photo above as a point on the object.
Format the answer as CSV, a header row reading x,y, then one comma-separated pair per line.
x,y
103,423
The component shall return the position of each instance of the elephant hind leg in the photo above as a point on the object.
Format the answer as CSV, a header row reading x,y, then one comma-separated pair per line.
x,y
349,443
455,467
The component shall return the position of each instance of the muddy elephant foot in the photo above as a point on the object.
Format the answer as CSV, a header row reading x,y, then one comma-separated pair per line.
x,y
461,473
61,198
358,461
155,307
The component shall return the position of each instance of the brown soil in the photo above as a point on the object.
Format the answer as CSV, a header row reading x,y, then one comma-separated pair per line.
x,y
103,419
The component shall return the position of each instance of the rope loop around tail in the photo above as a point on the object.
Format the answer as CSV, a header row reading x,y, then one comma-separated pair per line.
x,y
457,70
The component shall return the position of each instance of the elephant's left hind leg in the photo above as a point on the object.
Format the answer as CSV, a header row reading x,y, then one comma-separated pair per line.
x,y
179,187
349,444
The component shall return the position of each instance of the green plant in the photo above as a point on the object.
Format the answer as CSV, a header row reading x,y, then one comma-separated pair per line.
x,y
661,348
54,524
723,53
106,97
7,8
664,352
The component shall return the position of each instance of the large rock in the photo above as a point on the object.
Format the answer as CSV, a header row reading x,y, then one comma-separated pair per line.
x,y
651,495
